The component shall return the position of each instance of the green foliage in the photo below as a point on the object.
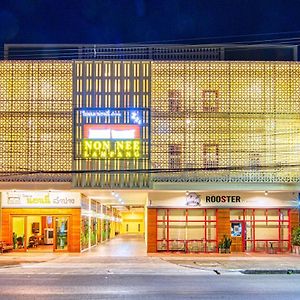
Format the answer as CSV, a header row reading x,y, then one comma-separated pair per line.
x,y
225,243
296,236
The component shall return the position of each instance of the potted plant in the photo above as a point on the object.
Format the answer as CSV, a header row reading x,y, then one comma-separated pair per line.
x,y
296,240
225,244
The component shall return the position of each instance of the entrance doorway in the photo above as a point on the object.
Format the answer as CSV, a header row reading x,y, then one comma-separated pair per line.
x,y
238,236
40,233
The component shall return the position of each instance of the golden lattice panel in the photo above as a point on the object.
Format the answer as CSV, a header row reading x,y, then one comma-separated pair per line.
x,y
111,86
245,113
35,119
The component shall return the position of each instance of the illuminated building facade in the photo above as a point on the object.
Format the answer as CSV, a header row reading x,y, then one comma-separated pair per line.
x,y
213,145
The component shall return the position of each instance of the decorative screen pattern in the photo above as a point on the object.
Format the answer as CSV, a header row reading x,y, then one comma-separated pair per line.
x,y
110,95
234,121
35,120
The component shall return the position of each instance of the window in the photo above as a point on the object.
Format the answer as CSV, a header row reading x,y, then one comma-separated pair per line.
x,y
210,101
210,155
174,156
254,161
174,100
189,230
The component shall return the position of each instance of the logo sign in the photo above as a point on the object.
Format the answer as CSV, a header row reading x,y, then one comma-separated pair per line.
x,y
222,199
24,199
192,199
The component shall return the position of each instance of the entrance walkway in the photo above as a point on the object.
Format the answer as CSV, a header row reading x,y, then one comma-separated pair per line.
x,y
122,245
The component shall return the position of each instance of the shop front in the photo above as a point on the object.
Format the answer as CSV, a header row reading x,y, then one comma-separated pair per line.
x,y
41,221
198,222
99,223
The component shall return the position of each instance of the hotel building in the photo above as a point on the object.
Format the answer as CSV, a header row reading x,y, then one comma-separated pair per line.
x,y
185,150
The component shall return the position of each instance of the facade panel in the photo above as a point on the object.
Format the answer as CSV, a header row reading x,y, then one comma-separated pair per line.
x,y
35,120
111,102
232,121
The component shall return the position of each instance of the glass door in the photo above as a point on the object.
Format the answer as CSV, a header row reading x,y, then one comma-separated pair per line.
x,y
18,235
61,236
237,236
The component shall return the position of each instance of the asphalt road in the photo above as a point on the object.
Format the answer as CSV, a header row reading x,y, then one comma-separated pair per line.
x,y
142,286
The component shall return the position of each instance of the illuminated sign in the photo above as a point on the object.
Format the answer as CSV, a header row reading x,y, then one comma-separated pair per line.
x,y
111,141
100,113
41,199
111,131
103,149
132,115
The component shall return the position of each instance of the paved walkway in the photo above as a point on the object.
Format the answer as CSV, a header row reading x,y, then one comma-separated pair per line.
x,y
127,254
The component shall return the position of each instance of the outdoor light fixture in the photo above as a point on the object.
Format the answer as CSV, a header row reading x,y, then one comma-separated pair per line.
x,y
266,193
187,193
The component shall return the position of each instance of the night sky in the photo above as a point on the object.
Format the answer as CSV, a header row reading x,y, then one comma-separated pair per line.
x,y
130,21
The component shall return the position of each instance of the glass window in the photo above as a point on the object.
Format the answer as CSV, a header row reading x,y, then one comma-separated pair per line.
x,y
211,246
93,231
249,214
273,214
161,231
260,214
62,233
177,231
177,214
210,214
283,215
196,214
84,240
284,232
236,214
18,227
161,214
211,231
195,231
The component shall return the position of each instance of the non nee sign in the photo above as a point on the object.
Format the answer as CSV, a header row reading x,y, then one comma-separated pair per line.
x,y
223,199
108,149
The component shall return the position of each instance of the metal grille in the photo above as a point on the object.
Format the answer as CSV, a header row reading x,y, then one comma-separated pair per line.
x,y
235,122
111,90
35,120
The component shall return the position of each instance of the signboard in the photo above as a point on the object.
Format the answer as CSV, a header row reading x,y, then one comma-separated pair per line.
x,y
27,199
111,141
225,199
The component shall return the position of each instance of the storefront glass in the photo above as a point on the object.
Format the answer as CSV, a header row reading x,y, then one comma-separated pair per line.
x,y
18,226
188,230
84,235
93,231
266,230
62,233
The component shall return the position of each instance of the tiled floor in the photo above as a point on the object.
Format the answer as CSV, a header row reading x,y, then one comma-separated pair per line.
x,y
122,245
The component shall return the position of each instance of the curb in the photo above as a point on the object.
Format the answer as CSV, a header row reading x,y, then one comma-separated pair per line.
x,y
286,271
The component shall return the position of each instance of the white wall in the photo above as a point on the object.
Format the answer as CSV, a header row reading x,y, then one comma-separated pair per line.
x,y
247,199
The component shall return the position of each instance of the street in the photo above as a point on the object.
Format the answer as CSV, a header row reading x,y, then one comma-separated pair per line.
x,y
121,269
201,286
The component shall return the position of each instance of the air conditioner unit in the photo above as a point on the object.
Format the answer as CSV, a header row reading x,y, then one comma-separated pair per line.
x,y
48,236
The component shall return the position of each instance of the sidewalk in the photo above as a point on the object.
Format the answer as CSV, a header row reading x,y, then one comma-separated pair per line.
x,y
246,262
242,262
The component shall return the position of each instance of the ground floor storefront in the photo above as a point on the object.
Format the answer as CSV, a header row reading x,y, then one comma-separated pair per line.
x,y
174,221
253,222
46,221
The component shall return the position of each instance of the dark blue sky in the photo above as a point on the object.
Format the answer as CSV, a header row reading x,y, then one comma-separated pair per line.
x,y
127,21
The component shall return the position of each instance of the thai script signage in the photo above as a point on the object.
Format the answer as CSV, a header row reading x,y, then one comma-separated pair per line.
x,y
100,113
27,199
